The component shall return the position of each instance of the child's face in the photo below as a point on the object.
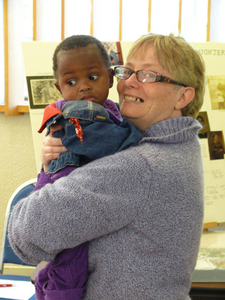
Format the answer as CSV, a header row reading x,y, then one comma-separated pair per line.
x,y
83,75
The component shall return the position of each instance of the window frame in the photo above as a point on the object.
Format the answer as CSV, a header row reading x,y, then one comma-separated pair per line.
x,y
15,107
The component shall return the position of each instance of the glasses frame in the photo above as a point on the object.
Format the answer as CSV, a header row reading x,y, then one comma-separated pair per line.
x,y
159,77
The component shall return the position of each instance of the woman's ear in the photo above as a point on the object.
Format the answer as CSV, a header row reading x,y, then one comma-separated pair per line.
x,y
111,72
186,96
58,87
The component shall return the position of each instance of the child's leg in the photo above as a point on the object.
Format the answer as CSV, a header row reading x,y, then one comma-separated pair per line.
x,y
40,281
66,275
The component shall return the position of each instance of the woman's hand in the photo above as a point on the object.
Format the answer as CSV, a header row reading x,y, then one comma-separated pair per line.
x,y
51,147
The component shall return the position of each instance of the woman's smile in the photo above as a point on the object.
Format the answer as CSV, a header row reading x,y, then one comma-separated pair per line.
x,y
133,98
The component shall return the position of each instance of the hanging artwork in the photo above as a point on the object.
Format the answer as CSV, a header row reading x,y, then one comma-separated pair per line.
x,y
42,91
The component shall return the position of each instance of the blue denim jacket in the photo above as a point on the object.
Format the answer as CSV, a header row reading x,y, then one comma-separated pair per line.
x,y
101,136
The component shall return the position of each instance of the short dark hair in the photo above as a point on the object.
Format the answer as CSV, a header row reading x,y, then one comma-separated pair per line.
x,y
78,41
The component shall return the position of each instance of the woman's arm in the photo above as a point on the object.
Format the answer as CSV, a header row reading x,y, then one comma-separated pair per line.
x,y
90,202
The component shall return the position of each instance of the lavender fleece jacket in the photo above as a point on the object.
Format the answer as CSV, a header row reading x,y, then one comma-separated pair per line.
x,y
141,211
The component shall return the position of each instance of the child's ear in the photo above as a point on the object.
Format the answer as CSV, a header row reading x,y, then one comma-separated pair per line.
x,y
186,96
111,72
58,87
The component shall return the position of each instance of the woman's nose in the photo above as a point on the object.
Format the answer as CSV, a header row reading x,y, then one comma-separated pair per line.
x,y
132,81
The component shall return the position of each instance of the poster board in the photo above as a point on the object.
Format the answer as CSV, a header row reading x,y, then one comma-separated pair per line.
x,y
38,66
213,112
37,57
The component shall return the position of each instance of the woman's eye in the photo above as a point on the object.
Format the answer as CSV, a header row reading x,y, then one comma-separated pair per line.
x,y
93,77
127,73
71,82
150,75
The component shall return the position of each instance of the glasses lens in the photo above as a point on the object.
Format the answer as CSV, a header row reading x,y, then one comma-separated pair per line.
x,y
146,76
122,73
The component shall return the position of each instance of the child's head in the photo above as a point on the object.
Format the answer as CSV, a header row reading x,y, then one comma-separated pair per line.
x,y
82,69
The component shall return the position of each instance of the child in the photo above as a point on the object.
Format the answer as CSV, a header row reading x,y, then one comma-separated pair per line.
x,y
82,69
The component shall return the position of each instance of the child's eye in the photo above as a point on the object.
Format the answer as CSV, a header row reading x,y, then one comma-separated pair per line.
x,y
71,82
93,77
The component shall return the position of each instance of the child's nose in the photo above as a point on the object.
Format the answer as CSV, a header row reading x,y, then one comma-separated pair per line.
x,y
84,86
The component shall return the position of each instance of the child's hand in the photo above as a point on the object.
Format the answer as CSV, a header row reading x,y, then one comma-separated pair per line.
x,y
51,147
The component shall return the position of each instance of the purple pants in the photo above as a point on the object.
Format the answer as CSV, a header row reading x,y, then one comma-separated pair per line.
x,y
64,278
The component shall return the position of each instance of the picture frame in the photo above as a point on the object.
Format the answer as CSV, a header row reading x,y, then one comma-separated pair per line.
x,y
114,51
216,145
42,91
216,84
204,121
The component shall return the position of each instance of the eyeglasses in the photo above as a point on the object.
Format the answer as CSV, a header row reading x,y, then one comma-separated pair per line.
x,y
143,76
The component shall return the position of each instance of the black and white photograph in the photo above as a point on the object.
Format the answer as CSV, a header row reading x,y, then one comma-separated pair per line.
x,y
204,121
42,91
216,84
216,145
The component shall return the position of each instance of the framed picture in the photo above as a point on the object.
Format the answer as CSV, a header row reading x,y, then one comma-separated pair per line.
x,y
204,121
216,85
114,51
42,91
216,145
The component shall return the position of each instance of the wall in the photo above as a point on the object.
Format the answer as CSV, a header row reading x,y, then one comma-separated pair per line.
x,y
17,158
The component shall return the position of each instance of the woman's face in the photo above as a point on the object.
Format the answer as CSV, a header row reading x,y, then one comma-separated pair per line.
x,y
158,101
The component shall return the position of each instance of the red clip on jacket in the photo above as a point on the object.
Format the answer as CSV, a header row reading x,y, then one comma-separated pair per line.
x,y
49,112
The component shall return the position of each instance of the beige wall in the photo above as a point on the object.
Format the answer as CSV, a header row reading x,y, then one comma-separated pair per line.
x,y
17,159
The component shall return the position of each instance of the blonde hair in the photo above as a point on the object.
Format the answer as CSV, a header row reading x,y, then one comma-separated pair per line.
x,y
181,60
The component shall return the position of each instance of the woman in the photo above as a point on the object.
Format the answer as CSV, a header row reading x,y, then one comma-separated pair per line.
x,y
141,209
